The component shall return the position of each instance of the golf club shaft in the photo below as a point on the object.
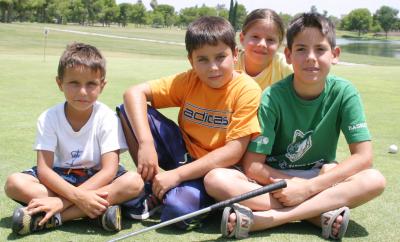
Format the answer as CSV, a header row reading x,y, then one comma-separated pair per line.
x,y
254,193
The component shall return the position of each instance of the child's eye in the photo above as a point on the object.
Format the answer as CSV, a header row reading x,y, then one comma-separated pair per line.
x,y
221,57
202,60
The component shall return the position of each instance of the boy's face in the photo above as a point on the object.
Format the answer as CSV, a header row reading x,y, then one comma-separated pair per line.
x,y
81,87
214,64
311,57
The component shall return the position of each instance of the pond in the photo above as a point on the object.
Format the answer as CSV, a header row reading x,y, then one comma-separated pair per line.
x,y
390,48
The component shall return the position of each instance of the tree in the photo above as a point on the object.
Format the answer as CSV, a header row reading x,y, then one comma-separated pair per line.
x,y
168,14
125,11
138,14
358,20
230,12
241,14
386,16
40,8
6,7
153,4
219,8
108,12
207,11
79,13
60,11
313,9
286,18
188,15
234,16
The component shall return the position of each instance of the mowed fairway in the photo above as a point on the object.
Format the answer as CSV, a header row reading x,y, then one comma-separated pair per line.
x,y
27,88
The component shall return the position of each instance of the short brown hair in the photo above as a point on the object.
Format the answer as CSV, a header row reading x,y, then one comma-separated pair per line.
x,y
80,54
264,14
311,20
209,30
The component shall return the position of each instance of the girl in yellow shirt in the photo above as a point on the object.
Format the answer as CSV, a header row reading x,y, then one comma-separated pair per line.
x,y
262,35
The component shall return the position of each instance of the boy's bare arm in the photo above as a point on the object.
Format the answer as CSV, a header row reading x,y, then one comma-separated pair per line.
x,y
109,168
360,159
298,190
225,156
135,101
90,202
255,168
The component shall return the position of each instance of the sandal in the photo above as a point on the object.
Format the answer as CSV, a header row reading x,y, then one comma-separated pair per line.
x,y
244,220
328,218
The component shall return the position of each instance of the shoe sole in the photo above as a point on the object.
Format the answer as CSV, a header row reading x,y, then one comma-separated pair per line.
x,y
19,219
117,223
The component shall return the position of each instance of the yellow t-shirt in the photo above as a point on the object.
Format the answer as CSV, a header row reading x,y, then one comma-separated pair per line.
x,y
277,70
208,117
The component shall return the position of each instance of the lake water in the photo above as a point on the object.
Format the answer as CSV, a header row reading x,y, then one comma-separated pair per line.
x,y
370,47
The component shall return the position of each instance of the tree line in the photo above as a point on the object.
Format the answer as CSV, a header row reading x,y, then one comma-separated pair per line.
x,y
106,12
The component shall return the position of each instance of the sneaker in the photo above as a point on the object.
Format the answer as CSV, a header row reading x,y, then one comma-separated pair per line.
x,y
111,219
143,206
23,223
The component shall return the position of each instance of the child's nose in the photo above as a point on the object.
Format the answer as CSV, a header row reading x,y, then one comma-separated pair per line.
x,y
213,65
311,55
82,90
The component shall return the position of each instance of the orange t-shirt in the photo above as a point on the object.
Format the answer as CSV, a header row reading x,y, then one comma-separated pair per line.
x,y
208,117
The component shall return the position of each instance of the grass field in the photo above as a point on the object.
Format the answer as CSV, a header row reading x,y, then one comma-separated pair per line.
x,y
27,88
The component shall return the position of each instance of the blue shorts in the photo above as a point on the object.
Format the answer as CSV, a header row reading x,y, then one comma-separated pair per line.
x,y
74,176
187,197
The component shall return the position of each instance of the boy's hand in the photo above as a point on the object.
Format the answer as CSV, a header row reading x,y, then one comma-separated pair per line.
x,y
92,203
295,193
147,162
163,182
49,205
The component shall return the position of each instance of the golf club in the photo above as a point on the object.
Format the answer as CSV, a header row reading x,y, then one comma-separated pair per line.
x,y
268,188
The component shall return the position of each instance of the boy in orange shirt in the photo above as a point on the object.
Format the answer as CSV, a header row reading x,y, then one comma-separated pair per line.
x,y
217,117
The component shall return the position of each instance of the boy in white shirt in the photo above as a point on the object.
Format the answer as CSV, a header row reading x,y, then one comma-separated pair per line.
x,y
78,144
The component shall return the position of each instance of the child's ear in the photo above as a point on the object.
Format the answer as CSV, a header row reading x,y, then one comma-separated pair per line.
x,y
102,85
59,83
288,55
241,38
235,54
336,53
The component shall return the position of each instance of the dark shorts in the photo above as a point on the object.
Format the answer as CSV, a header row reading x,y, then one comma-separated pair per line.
x,y
168,139
74,176
187,197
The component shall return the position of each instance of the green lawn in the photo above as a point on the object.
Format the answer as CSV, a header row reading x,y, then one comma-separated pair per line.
x,y
27,88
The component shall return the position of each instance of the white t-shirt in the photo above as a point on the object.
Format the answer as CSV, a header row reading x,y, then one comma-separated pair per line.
x,y
83,149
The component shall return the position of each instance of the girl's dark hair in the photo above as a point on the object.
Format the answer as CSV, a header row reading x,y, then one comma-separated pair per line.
x,y
264,14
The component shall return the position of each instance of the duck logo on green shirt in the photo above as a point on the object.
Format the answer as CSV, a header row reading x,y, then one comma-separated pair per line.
x,y
300,145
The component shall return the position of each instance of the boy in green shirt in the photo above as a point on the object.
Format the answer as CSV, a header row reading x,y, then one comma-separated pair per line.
x,y
301,117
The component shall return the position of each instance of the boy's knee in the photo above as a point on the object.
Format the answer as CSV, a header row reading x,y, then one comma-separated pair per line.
x,y
379,181
374,181
13,183
131,183
214,179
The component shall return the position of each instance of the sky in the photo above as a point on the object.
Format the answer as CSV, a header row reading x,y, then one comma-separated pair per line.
x,y
334,7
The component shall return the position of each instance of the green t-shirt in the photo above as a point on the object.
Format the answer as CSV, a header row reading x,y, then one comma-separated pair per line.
x,y
298,133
